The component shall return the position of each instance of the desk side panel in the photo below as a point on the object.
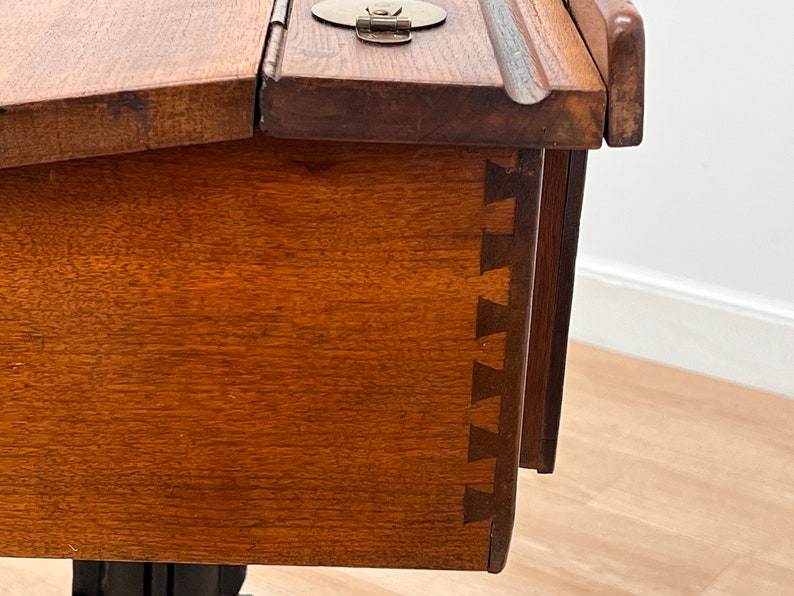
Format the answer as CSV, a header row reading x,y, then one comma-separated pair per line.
x,y
552,295
258,352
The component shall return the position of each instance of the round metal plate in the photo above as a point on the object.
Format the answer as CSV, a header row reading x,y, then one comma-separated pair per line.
x,y
345,12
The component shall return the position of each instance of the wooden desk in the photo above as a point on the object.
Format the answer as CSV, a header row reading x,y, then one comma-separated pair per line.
x,y
245,349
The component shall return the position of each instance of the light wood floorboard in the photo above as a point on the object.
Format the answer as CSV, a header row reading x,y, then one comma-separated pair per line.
x,y
666,483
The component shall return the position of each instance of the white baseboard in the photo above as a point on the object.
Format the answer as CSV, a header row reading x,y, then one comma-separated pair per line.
x,y
737,337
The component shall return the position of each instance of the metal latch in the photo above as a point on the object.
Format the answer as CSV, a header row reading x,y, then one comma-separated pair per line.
x,y
380,26
381,21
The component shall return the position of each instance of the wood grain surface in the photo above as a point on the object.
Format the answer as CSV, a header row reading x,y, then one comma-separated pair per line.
x,y
561,320
81,78
456,83
615,35
253,352
516,252
544,303
552,296
662,507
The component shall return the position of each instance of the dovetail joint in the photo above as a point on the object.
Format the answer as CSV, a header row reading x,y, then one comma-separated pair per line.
x,y
497,251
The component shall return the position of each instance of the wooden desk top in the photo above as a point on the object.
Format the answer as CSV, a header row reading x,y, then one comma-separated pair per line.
x,y
501,72
81,78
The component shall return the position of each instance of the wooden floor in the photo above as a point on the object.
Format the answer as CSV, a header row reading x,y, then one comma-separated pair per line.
x,y
666,483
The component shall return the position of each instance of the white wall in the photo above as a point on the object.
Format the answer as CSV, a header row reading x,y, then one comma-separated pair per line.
x,y
703,212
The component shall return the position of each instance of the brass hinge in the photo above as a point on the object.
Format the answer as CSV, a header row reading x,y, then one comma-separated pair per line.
x,y
276,39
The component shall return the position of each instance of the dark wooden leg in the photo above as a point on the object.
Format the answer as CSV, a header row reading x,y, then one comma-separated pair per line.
x,y
104,578
560,212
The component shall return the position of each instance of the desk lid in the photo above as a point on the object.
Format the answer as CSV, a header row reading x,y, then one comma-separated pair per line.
x,y
81,78
497,72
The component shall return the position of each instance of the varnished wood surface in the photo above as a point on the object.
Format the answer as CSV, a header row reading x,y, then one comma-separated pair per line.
x,y
80,78
558,238
566,270
690,495
515,251
500,72
261,352
615,35
544,303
